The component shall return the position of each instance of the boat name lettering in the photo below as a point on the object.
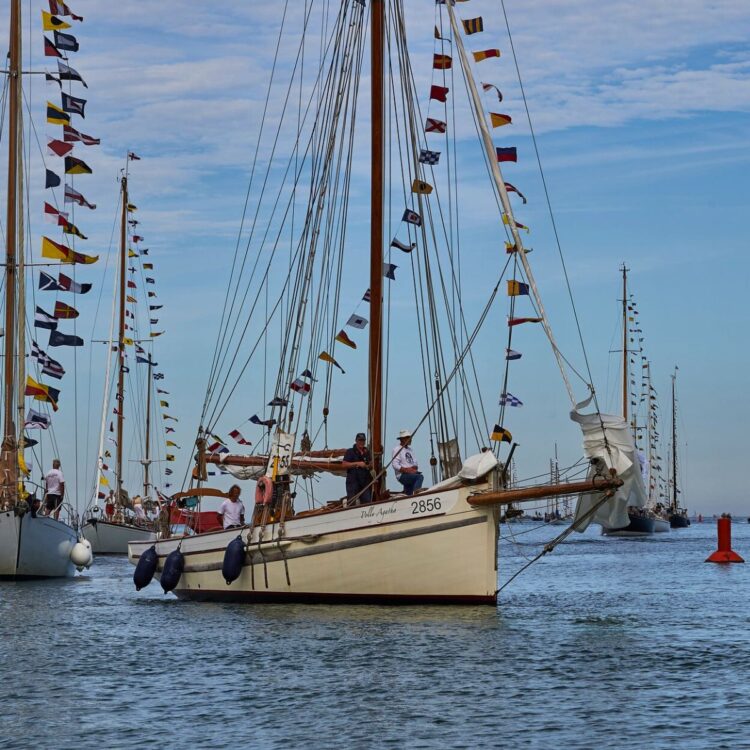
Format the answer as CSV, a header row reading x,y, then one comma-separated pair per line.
x,y
425,506
379,512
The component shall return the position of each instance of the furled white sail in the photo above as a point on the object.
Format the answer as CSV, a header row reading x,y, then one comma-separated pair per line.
x,y
608,443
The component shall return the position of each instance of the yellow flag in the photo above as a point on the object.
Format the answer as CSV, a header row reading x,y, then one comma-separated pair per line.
x,y
103,481
326,357
22,464
485,54
172,444
53,23
127,341
55,250
131,254
170,457
132,207
422,188
499,120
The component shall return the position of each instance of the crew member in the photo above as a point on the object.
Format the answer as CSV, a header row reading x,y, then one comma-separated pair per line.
x,y
54,487
232,512
405,464
357,463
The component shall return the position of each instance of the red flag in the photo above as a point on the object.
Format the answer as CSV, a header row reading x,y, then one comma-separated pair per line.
x,y
50,50
58,148
518,321
439,93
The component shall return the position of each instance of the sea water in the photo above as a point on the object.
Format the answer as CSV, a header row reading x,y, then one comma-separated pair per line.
x,y
604,643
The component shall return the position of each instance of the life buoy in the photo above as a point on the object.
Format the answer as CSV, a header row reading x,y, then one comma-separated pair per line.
x,y
263,491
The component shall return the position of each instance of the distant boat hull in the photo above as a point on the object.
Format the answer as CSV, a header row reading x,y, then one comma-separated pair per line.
x,y
661,525
432,548
639,526
109,538
35,547
678,521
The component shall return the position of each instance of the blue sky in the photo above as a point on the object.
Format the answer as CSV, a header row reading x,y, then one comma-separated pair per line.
x,y
642,123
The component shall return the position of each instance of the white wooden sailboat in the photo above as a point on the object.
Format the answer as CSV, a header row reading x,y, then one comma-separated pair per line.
x,y
110,523
641,519
440,544
32,545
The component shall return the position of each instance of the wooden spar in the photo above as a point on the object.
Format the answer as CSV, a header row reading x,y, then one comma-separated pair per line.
x,y
376,243
296,463
525,494
625,396
10,445
147,458
199,492
120,397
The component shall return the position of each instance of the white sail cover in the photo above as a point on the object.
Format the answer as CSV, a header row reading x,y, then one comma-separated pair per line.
x,y
608,443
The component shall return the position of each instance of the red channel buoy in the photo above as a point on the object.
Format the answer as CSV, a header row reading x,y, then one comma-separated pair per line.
x,y
724,554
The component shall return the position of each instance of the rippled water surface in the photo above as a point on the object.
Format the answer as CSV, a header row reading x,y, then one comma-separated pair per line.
x,y
604,643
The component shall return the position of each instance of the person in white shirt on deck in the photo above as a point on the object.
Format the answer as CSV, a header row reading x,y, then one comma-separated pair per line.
x,y
405,464
54,486
232,512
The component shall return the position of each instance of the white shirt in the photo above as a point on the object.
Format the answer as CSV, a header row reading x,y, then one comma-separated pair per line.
x,y
403,458
54,481
231,510
139,512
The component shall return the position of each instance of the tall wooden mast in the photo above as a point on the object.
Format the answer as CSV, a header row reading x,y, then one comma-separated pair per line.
x,y
120,397
674,444
147,457
10,444
376,243
625,392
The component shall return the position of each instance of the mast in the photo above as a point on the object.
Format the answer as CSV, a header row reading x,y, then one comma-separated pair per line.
x,y
674,444
376,244
120,397
147,458
625,368
10,444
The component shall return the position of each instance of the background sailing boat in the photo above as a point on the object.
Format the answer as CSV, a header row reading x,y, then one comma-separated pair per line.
x,y
38,542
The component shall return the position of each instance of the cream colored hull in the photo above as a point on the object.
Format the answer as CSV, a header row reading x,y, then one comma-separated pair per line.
x,y
432,548
35,547
112,538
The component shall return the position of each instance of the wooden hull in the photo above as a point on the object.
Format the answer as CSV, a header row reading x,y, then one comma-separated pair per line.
x,y
429,548
108,538
35,547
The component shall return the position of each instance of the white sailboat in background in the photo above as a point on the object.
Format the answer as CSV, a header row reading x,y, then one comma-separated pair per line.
x,y
113,519
32,545
440,544
640,517
678,515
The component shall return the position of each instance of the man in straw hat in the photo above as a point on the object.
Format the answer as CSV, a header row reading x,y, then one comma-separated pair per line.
x,y
405,464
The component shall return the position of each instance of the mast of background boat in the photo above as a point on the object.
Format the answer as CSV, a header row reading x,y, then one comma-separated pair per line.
x,y
105,398
674,444
503,193
376,244
147,459
120,398
649,435
10,445
625,393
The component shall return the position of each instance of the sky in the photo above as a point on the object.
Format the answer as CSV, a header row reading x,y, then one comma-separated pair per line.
x,y
642,123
